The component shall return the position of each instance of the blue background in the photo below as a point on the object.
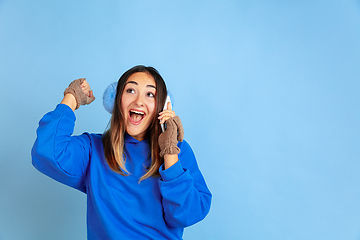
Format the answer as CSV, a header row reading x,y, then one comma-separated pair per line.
x,y
268,92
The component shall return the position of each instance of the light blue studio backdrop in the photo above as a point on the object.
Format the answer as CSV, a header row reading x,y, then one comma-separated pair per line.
x,y
268,92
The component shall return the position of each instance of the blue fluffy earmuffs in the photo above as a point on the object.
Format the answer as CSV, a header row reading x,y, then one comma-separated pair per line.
x,y
109,97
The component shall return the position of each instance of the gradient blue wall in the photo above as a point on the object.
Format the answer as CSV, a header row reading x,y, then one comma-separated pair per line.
x,y
268,92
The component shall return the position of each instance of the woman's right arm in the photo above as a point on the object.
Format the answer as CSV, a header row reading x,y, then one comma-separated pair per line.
x,y
57,153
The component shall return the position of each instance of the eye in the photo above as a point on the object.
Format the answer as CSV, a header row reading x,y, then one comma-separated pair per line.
x,y
130,90
150,94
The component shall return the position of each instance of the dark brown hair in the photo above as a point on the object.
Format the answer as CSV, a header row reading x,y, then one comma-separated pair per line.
x,y
113,138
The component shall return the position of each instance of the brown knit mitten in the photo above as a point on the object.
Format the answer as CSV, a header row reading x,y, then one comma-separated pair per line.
x,y
168,140
75,89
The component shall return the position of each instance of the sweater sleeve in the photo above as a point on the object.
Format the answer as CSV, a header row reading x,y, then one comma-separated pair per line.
x,y
186,198
58,154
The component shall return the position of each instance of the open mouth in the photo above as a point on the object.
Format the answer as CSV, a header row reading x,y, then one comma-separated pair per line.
x,y
136,116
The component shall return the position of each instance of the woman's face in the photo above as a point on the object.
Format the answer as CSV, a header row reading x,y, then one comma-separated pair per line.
x,y
138,104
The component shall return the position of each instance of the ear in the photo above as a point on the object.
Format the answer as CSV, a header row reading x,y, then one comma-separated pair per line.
x,y
109,97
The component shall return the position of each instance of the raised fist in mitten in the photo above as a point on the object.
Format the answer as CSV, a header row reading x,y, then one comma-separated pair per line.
x,y
82,92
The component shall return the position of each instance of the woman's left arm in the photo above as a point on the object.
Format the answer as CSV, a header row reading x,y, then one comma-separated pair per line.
x,y
186,198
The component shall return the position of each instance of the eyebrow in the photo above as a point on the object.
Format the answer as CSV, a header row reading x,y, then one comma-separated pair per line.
x,y
133,82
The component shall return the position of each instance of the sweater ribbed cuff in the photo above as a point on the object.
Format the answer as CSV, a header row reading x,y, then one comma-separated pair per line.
x,y
172,172
66,110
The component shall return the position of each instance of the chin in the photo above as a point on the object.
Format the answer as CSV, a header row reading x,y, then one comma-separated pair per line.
x,y
139,135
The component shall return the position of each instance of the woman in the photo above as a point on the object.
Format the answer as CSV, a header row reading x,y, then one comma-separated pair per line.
x,y
141,183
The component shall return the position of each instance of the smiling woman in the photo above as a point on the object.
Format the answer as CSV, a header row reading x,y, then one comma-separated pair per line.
x,y
141,183
136,91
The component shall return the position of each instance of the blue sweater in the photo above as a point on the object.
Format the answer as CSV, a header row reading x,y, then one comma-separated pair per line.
x,y
118,207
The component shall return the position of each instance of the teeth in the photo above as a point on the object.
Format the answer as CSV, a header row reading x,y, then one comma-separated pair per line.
x,y
137,112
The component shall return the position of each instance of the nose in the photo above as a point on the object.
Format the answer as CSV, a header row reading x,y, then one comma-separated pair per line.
x,y
139,101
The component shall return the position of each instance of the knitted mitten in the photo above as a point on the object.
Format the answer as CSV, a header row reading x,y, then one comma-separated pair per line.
x,y
168,140
75,89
